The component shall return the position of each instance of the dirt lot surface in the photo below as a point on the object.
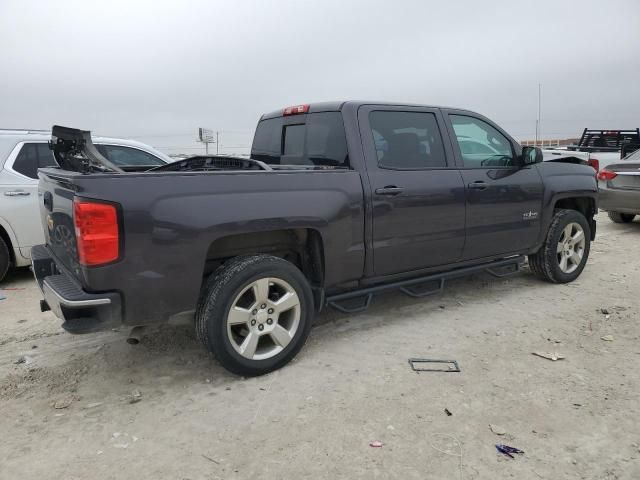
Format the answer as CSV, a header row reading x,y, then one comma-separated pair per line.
x,y
92,406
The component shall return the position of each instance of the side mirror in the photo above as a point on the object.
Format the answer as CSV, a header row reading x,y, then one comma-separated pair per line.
x,y
531,155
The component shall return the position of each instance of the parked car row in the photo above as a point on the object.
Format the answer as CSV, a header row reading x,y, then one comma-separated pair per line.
x,y
337,202
22,153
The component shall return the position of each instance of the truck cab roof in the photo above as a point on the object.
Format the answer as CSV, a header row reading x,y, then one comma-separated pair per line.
x,y
336,106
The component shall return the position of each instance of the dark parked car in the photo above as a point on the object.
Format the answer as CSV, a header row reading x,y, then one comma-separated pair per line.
x,y
338,202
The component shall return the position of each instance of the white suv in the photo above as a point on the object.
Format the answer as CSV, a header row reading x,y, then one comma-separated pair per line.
x,y
22,152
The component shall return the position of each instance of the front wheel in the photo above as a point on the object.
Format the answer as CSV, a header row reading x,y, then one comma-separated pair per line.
x,y
255,314
565,250
618,217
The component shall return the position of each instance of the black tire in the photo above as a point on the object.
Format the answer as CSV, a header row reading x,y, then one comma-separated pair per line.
x,y
544,263
216,299
5,259
618,217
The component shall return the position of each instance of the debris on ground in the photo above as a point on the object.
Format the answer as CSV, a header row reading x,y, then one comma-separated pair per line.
x,y
376,444
607,338
497,429
604,311
446,365
23,359
210,459
448,412
553,356
507,450
135,396
63,402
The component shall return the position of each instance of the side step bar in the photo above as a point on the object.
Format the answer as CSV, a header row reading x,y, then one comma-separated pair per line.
x,y
500,269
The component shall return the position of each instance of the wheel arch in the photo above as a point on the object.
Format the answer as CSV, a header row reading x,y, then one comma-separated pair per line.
x,y
304,247
586,205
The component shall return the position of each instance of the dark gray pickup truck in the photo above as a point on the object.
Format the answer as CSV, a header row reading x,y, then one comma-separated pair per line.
x,y
337,202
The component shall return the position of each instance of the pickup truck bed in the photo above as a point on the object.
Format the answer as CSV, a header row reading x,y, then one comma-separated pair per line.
x,y
339,201
175,223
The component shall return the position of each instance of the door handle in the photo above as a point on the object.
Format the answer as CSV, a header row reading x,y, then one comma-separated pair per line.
x,y
479,185
17,193
389,190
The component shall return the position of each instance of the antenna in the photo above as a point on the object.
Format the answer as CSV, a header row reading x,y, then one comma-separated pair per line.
x,y
539,119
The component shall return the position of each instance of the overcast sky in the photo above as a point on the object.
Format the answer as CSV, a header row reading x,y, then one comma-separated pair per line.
x,y
157,70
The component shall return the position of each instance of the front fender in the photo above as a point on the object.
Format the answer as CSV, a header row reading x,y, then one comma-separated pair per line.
x,y
567,185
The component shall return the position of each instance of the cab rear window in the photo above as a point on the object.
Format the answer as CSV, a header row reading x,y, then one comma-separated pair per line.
x,y
315,139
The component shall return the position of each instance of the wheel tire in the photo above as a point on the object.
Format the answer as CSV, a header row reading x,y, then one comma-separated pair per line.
x,y
5,259
618,217
225,286
544,263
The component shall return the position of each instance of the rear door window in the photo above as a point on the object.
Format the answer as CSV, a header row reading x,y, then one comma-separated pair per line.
x,y
407,140
317,140
33,156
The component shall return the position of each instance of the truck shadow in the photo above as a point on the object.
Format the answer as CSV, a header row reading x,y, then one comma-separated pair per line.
x,y
169,358
178,346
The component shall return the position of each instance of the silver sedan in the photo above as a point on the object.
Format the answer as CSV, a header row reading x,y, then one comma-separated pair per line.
x,y
619,189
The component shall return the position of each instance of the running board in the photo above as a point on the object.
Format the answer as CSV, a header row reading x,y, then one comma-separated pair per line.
x,y
499,269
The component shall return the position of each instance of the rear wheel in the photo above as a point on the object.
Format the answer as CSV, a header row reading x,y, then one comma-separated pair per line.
x,y
5,258
564,253
618,217
255,314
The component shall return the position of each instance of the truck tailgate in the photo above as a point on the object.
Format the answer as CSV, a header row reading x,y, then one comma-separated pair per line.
x,y
56,192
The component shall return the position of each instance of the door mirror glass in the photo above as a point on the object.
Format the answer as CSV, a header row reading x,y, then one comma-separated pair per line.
x,y
531,155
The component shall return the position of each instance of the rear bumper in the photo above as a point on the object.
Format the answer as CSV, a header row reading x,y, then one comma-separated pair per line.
x,y
618,200
81,311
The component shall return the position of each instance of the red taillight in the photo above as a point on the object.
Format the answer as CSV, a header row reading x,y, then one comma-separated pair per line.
x,y
97,234
295,110
595,163
605,175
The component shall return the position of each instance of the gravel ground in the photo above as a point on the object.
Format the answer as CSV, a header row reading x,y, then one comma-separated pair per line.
x,y
92,406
